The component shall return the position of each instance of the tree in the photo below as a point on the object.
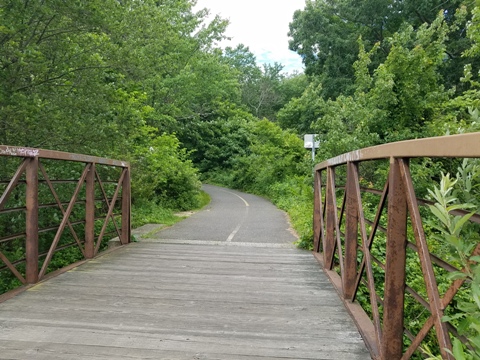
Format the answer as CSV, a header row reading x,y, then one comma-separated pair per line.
x,y
325,35
94,76
264,97
242,60
327,45
274,155
53,58
300,113
292,86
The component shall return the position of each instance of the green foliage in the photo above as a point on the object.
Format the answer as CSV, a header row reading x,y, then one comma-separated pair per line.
x,y
8,282
295,196
463,108
454,232
148,212
53,58
264,91
274,155
402,97
301,112
162,172
292,86
216,141
91,76
325,34
450,226
383,71
326,44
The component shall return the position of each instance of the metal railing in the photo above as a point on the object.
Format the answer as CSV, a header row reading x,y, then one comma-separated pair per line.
x,y
363,237
40,186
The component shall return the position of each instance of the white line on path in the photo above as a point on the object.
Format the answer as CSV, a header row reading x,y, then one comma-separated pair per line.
x,y
241,198
234,232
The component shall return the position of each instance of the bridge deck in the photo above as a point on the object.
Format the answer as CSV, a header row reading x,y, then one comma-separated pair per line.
x,y
175,299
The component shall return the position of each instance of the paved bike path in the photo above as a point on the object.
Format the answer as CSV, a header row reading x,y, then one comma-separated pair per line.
x,y
237,217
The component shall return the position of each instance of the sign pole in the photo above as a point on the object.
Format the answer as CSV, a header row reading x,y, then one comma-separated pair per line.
x,y
311,143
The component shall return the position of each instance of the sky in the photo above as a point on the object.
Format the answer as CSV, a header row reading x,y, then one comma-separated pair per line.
x,y
262,25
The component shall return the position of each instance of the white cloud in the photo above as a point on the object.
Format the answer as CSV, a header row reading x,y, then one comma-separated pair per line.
x,y
262,25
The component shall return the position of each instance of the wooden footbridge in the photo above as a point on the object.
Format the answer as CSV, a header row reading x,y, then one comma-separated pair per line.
x,y
227,282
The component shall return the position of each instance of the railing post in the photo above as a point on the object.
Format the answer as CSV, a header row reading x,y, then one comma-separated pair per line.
x,y
331,208
90,213
31,242
126,207
317,212
351,234
392,340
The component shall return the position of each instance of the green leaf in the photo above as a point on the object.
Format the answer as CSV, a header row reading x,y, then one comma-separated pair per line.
x,y
476,293
457,275
453,317
460,222
453,240
468,184
440,213
468,307
476,342
460,207
458,350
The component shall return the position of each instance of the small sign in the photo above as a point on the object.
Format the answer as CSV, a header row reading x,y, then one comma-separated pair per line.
x,y
309,141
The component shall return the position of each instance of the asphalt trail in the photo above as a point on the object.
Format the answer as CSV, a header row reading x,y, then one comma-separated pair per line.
x,y
233,216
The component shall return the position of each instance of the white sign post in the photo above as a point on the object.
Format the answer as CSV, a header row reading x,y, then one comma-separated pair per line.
x,y
309,142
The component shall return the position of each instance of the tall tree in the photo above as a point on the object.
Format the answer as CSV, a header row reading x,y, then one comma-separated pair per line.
x,y
109,78
53,58
325,34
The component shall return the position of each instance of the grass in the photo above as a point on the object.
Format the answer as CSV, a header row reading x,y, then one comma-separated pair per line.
x,y
150,212
203,199
295,196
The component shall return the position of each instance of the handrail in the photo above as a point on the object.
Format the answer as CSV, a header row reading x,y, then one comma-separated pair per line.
x,y
26,152
94,205
344,246
452,146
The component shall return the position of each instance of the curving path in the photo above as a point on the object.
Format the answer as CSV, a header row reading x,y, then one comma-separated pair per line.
x,y
224,284
235,217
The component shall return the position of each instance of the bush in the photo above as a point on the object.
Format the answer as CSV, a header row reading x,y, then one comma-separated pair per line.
x,y
163,173
295,196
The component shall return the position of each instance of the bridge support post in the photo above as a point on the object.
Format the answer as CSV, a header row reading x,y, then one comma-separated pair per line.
x,y
331,219
351,234
126,208
318,213
90,213
392,338
31,243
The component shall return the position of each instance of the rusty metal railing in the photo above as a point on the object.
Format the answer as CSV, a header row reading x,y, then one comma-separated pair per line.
x,y
345,240
45,192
